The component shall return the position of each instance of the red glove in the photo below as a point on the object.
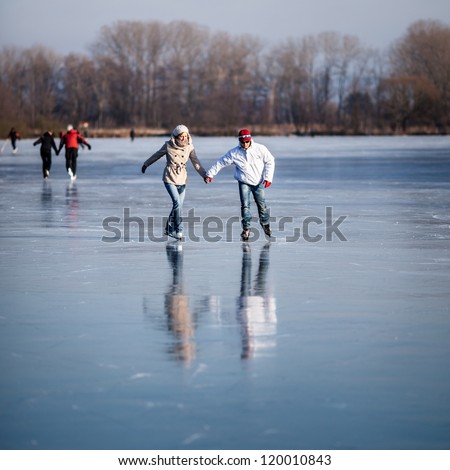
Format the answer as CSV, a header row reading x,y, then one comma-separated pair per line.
x,y
266,183
207,179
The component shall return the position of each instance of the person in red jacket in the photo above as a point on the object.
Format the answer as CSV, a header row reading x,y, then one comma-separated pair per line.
x,y
70,140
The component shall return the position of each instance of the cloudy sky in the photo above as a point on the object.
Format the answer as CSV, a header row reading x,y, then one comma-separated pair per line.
x,y
73,26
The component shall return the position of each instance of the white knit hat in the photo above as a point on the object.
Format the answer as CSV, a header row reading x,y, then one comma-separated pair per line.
x,y
69,127
179,130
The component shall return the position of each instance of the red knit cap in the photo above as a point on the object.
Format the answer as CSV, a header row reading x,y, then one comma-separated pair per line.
x,y
244,135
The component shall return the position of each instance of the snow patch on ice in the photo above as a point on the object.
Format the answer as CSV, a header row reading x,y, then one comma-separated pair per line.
x,y
140,375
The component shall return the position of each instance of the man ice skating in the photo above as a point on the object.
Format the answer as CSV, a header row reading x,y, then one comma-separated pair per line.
x,y
71,139
47,142
255,166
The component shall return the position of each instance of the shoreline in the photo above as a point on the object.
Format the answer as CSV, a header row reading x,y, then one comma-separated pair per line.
x,y
256,130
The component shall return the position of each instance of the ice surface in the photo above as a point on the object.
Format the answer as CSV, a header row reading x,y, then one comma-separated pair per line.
x,y
147,343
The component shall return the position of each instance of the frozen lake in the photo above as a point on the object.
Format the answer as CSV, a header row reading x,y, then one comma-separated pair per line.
x,y
334,335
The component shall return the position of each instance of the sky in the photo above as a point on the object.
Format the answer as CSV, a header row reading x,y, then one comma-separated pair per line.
x,y
73,27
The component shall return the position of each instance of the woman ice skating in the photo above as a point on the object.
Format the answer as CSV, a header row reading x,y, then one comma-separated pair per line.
x,y
47,142
178,150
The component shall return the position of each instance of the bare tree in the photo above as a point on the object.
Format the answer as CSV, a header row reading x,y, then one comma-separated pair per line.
x,y
156,74
130,53
424,52
407,101
230,81
12,104
293,65
78,98
186,52
30,78
40,66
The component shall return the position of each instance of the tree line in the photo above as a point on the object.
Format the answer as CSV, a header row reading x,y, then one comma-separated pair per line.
x,y
155,75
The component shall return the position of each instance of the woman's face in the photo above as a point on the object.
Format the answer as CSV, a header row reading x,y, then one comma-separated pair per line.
x,y
183,137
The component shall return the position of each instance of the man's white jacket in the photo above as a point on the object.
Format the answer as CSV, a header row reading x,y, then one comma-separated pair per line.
x,y
253,165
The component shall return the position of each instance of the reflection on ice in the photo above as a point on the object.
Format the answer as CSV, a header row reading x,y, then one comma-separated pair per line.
x,y
255,318
72,205
144,344
256,311
46,204
46,195
179,316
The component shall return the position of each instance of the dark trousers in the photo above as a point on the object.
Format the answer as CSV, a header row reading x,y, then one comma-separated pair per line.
x,y
46,157
71,160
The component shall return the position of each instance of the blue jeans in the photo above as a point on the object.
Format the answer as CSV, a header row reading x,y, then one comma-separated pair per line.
x,y
258,195
174,221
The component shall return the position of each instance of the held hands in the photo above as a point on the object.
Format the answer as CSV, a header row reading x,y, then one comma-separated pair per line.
x,y
207,179
266,183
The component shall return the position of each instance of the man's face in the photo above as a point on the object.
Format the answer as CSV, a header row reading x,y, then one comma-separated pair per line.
x,y
245,144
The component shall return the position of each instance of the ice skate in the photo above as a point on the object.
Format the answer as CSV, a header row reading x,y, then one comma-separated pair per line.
x,y
177,235
267,230
245,235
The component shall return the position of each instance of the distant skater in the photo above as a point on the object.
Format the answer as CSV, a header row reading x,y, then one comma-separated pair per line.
x,y
70,140
132,135
178,151
255,167
47,142
13,137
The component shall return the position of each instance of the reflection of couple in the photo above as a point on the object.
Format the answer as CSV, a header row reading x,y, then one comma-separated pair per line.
x,y
254,168
71,204
256,309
